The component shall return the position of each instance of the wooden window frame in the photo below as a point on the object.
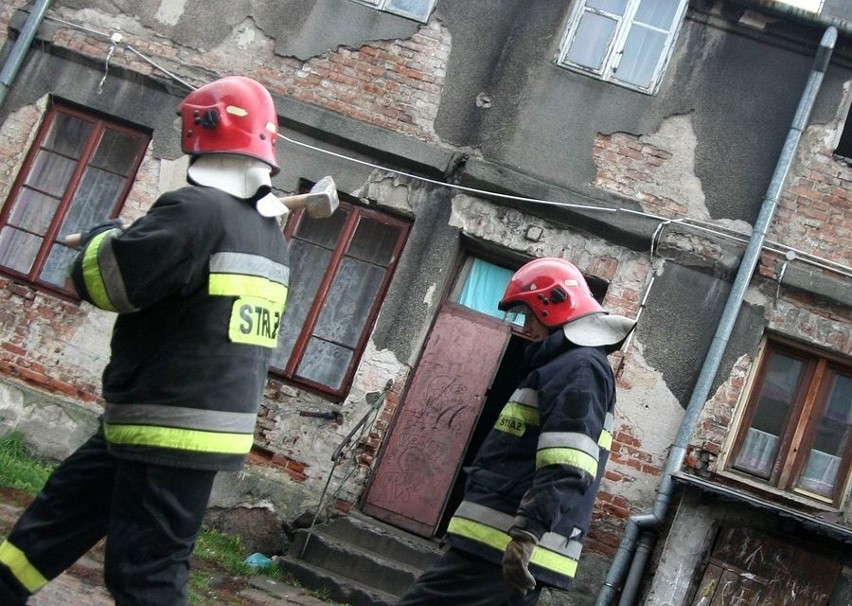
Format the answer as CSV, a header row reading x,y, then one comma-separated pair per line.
x,y
51,236
355,212
808,403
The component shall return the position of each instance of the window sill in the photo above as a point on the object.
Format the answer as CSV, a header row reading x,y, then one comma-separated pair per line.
x,y
736,480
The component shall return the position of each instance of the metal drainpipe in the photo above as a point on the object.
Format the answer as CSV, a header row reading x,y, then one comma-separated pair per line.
x,y
629,556
22,45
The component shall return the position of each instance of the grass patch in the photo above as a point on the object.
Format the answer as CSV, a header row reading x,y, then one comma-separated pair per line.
x,y
228,552
19,469
217,556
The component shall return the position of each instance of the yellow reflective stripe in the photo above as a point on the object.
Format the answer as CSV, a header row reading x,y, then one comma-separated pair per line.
x,y
605,441
180,439
566,456
233,285
498,540
479,532
514,418
17,562
555,562
92,276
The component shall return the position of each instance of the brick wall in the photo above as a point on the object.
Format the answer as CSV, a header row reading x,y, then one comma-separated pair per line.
x,y
392,84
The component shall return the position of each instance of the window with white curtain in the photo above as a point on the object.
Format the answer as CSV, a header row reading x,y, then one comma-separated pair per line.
x,y
627,42
419,10
796,433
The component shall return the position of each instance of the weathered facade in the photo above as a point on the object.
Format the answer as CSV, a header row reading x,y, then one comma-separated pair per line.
x,y
703,184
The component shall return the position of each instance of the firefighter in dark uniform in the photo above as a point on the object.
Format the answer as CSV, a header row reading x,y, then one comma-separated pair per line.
x,y
199,285
531,489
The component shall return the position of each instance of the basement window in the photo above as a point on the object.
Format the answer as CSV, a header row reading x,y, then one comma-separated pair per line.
x,y
796,433
626,42
418,10
77,174
340,271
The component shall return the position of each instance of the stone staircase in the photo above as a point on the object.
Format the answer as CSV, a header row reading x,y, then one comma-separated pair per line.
x,y
357,560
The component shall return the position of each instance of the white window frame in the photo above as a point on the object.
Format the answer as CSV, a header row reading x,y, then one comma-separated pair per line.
x,y
608,71
388,6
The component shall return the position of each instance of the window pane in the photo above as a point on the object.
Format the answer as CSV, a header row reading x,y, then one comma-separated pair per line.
x,y
322,231
307,266
116,152
68,135
658,13
591,41
96,196
642,52
757,454
51,173
33,211
415,8
325,363
373,242
616,7
820,471
18,249
56,269
345,310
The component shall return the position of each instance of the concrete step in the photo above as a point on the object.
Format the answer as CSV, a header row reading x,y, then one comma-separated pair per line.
x,y
358,560
338,588
352,561
384,540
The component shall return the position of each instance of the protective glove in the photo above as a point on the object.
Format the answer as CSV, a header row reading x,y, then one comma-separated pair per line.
x,y
516,560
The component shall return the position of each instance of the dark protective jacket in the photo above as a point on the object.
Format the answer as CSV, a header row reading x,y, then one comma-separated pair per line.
x,y
540,466
200,284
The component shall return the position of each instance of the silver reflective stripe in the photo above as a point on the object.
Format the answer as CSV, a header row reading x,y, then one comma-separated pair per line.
x,y
249,265
525,396
180,417
503,522
111,275
561,545
609,421
486,515
574,441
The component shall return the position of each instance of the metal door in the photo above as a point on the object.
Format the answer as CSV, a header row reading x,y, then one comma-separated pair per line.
x,y
427,442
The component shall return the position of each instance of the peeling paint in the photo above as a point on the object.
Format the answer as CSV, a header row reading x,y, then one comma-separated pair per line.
x,y
170,11
388,188
648,411
676,178
428,299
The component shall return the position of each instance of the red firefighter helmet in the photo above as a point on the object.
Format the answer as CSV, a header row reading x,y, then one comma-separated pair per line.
x,y
232,115
553,289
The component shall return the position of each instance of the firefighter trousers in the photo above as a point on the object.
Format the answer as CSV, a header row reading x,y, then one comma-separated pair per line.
x,y
150,515
461,579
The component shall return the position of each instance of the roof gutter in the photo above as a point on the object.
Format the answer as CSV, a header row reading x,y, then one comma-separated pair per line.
x,y
640,531
13,64
793,13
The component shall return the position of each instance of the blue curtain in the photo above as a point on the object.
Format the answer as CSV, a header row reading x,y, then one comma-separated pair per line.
x,y
483,288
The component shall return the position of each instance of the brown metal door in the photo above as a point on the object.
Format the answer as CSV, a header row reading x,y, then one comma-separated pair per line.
x,y
427,442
